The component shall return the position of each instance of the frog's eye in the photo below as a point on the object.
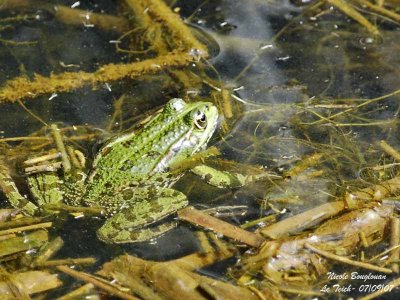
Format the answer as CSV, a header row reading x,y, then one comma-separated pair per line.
x,y
200,120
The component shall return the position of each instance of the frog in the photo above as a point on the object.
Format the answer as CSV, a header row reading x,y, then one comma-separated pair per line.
x,y
130,177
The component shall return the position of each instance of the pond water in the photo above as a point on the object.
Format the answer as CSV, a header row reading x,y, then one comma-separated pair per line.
x,y
299,75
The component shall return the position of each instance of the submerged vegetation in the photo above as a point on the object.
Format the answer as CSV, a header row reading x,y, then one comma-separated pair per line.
x,y
310,117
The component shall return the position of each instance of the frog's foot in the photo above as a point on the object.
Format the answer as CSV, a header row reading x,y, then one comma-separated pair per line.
x,y
128,225
50,188
45,188
221,179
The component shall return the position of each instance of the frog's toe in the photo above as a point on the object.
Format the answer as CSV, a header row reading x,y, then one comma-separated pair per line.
x,y
112,234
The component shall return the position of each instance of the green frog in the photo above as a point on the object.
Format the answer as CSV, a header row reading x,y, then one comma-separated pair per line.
x,y
130,177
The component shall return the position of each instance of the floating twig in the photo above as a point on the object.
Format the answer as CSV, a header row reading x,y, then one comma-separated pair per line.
x,y
383,253
97,283
199,218
180,32
303,220
22,87
18,244
376,192
389,150
26,228
345,260
189,50
264,221
380,10
180,284
197,260
355,15
73,16
58,140
20,222
42,158
79,292
220,245
53,167
204,243
48,251
67,261
29,282
305,163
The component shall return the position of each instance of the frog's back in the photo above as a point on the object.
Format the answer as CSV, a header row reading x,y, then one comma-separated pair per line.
x,y
134,159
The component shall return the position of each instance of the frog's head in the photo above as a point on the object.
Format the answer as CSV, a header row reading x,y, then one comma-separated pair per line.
x,y
180,130
199,119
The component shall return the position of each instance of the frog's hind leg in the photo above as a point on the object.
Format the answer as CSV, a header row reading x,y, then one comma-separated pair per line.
x,y
144,207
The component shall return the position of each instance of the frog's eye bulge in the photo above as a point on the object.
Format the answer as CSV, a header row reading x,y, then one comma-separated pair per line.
x,y
176,104
200,120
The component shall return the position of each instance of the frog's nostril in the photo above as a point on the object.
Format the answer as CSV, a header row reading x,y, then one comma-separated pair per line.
x,y
206,107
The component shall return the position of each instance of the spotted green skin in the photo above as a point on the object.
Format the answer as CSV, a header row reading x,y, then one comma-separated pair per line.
x,y
129,178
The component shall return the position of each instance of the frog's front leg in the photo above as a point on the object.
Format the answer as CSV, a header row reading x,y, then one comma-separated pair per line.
x,y
222,179
138,208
